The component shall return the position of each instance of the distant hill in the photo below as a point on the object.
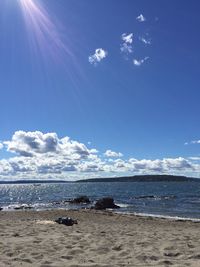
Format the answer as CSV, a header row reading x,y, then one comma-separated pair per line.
x,y
143,178
136,178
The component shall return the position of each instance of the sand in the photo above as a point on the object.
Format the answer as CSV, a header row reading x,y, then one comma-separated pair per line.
x,y
30,238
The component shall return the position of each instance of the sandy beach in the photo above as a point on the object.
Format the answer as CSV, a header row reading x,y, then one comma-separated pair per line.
x,y
30,238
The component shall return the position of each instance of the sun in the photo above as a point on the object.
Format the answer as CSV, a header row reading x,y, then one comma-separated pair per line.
x,y
48,41
43,31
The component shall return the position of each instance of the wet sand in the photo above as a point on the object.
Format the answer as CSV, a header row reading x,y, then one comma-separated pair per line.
x,y
30,238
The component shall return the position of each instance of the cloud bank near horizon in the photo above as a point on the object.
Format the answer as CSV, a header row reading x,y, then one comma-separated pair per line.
x,y
38,155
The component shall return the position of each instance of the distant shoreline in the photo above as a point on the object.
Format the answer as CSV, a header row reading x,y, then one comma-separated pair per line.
x,y
135,178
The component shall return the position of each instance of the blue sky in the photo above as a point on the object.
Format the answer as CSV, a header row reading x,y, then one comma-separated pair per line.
x,y
119,77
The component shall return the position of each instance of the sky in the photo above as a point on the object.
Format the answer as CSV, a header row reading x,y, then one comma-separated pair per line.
x,y
99,88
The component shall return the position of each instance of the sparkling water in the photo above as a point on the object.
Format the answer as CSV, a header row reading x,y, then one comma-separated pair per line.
x,y
180,199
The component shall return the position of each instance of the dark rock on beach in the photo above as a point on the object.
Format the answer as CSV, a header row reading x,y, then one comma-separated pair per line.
x,y
66,221
105,203
1,208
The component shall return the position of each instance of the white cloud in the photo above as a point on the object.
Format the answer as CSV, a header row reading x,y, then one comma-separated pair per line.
x,y
113,154
194,158
127,38
126,47
97,56
194,142
139,62
45,156
141,18
30,144
166,165
44,166
145,40
1,146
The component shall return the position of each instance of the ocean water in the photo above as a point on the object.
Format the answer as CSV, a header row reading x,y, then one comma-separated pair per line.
x,y
176,199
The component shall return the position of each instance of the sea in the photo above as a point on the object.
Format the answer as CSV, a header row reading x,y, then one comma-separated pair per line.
x,y
178,200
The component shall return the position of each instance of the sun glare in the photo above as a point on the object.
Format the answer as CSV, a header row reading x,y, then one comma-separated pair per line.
x,y
44,31
47,40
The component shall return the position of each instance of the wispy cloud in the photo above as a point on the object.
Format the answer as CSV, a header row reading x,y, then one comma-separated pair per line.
x,y
126,47
139,62
145,40
141,18
113,154
1,146
97,56
127,38
194,142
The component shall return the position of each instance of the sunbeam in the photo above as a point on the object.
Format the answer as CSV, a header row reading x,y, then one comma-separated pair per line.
x,y
42,30
47,42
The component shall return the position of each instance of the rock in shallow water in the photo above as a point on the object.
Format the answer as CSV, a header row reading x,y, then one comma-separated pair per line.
x,y
105,203
80,200
23,207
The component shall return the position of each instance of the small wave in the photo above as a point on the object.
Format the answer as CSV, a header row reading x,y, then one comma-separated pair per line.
x,y
122,205
22,206
174,218
190,201
154,197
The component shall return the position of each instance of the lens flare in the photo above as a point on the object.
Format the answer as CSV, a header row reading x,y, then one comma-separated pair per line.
x,y
42,30
47,42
